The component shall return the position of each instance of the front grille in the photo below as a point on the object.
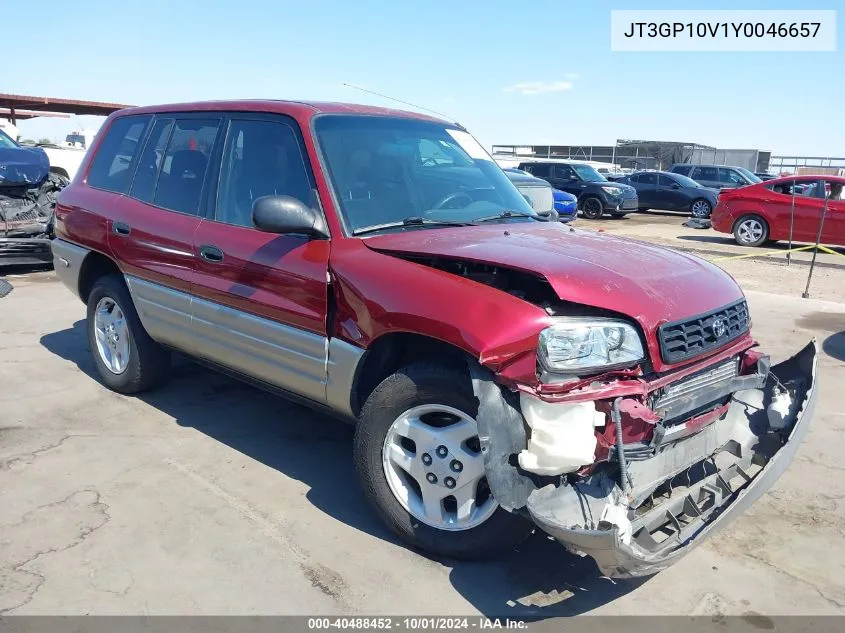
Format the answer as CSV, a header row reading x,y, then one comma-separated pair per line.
x,y
541,198
691,337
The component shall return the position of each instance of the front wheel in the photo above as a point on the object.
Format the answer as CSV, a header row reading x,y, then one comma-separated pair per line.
x,y
751,230
419,459
700,208
592,208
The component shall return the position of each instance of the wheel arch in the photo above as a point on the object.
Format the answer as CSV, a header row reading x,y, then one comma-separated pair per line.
x,y
94,266
393,350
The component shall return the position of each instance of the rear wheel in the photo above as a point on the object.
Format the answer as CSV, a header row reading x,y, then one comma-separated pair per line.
x,y
700,208
419,459
751,230
127,359
592,208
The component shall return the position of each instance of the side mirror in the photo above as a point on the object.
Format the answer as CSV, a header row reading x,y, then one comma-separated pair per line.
x,y
283,214
675,185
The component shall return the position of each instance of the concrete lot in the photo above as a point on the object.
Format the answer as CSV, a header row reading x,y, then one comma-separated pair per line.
x,y
208,496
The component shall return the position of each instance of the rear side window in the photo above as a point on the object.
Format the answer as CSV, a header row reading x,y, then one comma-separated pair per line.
x,y
111,167
565,172
143,186
540,170
706,173
185,165
648,179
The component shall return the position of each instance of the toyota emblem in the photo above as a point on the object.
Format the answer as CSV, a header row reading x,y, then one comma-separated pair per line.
x,y
719,328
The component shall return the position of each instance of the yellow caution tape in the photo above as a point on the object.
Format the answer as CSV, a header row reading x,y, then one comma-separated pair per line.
x,y
791,250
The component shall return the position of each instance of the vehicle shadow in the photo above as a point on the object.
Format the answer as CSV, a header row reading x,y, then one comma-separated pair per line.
x,y
834,346
538,580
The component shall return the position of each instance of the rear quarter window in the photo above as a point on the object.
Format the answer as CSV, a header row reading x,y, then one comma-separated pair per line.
x,y
112,166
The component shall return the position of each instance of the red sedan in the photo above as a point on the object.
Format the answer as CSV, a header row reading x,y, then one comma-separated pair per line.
x,y
759,213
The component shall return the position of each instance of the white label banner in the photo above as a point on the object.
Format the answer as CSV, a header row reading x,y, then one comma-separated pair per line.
x,y
738,31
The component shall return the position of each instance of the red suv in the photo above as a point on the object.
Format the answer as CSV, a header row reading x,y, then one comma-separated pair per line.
x,y
770,210
502,369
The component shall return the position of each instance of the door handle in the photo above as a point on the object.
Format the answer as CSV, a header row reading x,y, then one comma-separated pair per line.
x,y
211,253
121,228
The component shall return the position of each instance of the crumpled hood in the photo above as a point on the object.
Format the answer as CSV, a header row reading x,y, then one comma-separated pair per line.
x,y
652,284
23,166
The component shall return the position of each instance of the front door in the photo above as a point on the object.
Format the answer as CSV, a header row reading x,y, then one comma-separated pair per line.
x,y
260,299
671,195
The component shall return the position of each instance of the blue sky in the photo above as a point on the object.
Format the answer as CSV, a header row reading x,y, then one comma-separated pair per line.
x,y
512,72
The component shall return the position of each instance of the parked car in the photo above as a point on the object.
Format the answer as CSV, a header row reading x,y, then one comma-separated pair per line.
x,y
765,211
672,192
564,203
501,369
596,195
28,193
762,175
717,176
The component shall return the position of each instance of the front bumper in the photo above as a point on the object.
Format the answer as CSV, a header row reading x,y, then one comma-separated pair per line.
x,y
711,477
621,204
25,251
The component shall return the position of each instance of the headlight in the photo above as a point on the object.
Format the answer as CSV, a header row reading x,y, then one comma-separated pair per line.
x,y
613,191
578,345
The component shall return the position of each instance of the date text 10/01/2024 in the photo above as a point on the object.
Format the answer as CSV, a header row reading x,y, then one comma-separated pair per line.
x,y
414,623
723,29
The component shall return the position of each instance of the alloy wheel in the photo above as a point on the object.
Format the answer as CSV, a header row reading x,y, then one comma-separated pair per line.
x,y
750,231
434,467
112,335
700,209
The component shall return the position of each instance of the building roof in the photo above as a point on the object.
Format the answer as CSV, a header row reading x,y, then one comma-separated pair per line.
x,y
34,106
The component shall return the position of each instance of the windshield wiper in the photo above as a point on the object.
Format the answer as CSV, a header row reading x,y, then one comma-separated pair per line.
x,y
412,221
507,213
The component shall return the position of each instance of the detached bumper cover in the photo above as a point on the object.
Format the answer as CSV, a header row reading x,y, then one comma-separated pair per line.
x,y
704,482
25,251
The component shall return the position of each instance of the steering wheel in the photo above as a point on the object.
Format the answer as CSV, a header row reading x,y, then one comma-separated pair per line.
x,y
451,197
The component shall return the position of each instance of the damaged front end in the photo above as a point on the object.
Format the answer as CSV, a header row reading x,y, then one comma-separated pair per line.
x,y
637,480
27,215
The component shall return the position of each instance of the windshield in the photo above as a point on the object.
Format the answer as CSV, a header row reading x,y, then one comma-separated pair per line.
x,y
684,181
587,173
752,177
385,170
6,141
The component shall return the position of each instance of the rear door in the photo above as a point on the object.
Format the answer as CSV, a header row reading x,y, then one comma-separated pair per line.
x,y
260,299
804,211
707,176
834,222
152,233
646,185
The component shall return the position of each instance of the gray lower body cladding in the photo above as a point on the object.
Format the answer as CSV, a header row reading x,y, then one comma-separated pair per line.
x,y
679,496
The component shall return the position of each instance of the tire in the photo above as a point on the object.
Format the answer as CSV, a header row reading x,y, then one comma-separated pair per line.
x,y
700,208
417,387
751,230
592,208
141,361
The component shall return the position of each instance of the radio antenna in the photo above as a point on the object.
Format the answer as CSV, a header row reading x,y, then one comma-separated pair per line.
x,y
413,105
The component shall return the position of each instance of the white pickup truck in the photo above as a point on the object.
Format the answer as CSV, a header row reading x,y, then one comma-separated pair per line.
x,y
66,157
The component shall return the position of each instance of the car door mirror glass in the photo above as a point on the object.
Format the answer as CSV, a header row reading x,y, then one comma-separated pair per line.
x,y
284,214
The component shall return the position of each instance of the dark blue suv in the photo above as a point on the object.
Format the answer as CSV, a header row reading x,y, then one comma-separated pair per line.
x,y
596,194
